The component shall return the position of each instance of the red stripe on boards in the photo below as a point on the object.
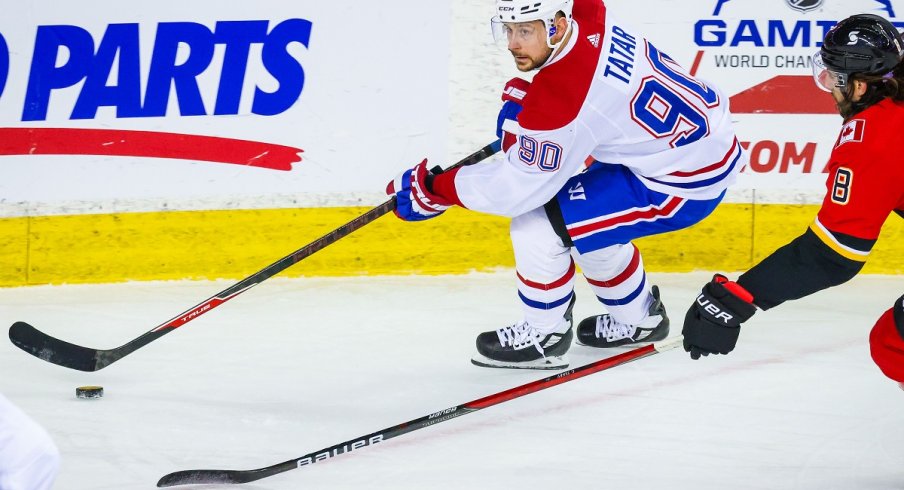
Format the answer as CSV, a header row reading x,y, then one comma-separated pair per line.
x,y
116,142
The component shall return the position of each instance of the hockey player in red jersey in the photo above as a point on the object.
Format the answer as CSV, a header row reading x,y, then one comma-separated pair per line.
x,y
860,64
663,150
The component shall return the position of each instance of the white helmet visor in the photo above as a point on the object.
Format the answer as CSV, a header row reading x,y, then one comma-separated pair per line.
x,y
522,32
825,78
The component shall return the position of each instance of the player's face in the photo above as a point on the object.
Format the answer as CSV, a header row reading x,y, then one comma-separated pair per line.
x,y
527,43
844,103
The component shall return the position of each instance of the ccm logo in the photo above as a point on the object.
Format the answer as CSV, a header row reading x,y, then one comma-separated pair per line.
x,y
714,310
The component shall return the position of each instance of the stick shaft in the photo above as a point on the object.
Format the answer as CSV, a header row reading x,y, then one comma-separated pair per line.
x,y
65,354
193,477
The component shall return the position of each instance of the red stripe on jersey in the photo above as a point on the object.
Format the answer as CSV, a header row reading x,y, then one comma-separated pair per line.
x,y
546,287
651,213
559,90
508,139
625,274
712,167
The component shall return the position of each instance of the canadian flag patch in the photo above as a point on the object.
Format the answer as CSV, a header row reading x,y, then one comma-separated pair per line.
x,y
851,132
594,40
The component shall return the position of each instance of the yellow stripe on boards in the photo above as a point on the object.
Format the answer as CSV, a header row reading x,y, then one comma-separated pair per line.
x,y
235,244
14,251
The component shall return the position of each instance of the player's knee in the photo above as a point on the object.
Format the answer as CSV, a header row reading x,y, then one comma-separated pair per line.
x,y
887,343
533,233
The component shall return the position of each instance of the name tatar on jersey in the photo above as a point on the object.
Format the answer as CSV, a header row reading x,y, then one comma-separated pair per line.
x,y
851,132
622,47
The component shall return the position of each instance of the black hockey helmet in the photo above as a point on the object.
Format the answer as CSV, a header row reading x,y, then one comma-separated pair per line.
x,y
862,43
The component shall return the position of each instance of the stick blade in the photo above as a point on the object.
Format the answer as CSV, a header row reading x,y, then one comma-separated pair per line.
x,y
201,477
53,350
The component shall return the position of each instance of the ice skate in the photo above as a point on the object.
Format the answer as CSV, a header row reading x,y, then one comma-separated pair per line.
x,y
521,346
604,331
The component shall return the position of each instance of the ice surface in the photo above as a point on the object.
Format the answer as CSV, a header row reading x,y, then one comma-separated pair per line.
x,y
297,365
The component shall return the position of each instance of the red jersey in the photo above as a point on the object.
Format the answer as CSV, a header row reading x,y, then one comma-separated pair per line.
x,y
865,182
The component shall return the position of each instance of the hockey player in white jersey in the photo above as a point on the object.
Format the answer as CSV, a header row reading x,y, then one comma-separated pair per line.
x,y
661,148
29,460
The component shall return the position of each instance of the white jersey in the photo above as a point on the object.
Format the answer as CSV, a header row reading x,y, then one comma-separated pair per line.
x,y
29,460
613,96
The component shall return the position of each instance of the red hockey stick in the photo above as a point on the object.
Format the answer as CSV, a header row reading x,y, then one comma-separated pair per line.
x,y
198,477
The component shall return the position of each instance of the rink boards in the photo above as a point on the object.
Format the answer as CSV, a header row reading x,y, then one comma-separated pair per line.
x,y
111,173
234,244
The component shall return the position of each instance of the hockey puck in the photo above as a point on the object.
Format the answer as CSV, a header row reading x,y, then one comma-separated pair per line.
x,y
89,392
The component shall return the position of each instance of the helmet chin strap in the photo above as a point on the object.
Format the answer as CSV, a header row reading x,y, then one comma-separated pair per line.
x,y
554,47
564,36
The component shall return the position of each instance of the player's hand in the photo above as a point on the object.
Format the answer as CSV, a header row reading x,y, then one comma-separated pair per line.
x,y
414,201
713,322
512,97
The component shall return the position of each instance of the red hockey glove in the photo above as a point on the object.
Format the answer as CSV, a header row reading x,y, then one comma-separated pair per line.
x,y
512,98
713,322
414,201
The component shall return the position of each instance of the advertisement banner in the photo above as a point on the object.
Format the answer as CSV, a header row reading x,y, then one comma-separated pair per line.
x,y
760,53
112,107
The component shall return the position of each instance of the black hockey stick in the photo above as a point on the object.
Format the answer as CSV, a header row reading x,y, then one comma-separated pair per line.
x,y
65,354
199,477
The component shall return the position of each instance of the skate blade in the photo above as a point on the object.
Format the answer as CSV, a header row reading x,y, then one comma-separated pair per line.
x,y
554,362
625,346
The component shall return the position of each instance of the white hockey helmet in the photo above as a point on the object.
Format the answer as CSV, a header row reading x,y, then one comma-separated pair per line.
x,y
517,11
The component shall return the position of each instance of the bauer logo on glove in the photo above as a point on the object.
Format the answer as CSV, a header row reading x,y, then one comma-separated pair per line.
x,y
713,323
713,310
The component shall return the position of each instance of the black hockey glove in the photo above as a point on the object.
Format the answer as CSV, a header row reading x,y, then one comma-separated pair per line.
x,y
713,322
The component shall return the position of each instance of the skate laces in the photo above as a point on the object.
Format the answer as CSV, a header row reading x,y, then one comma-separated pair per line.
x,y
612,330
519,336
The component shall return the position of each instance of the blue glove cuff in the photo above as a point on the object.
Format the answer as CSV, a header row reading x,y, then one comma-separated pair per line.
x,y
510,110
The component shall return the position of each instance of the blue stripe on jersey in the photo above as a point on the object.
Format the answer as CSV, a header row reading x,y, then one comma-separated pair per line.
x,y
545,306
627,299
701,183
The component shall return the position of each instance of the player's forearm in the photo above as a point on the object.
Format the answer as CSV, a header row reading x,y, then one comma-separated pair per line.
x,y
501,188
800,268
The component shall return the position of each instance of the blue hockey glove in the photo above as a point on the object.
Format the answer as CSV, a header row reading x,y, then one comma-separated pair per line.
x,y
414,201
